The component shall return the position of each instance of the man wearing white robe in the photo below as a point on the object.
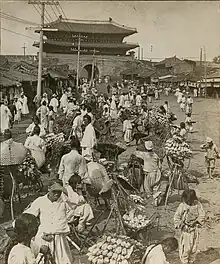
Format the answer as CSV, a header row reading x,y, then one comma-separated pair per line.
x,y
72,163
18,106
54,102
5,116
53,229
89,138
138,100
63,101
77,126
24,100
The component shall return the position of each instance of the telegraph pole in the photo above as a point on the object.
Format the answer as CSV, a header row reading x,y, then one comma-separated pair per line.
x,y
0,28
24,48
93,66
205,71
42,3
78,54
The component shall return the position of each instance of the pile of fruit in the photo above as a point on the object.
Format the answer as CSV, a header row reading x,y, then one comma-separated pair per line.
x,y
115,250
52,139
177,149
136,222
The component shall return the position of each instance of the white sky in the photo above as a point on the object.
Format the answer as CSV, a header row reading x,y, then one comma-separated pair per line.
x,y
172,28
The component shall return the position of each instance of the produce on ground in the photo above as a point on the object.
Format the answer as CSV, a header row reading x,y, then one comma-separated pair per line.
x,y
115,249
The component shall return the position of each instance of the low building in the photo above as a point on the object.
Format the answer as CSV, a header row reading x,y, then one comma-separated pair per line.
x,y
212,83
174,66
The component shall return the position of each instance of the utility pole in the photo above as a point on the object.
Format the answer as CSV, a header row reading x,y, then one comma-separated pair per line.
x,y
78,55
42,3
0,28
79,37
139,52
205,69
93,66
24,48
142,53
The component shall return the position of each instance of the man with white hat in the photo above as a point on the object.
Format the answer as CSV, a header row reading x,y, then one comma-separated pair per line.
x,y
53,229
152,166
210,156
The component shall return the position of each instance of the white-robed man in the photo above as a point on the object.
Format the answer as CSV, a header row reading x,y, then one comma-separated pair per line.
x,y
53,228
78,206
89,138
24,101
77,126
54,102
72,163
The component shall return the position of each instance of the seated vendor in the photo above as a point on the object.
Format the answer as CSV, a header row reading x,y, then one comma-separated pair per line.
x,y
78,208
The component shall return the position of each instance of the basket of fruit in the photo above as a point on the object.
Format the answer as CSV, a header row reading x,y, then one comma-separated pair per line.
x,y
177,149
137,221
116,249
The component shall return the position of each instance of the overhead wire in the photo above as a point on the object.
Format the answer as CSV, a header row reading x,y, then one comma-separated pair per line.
x,y
46,11
38,11
17,19
14,32
68,26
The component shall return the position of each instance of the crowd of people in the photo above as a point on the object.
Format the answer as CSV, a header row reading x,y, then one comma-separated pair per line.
x,y
64,202
12,112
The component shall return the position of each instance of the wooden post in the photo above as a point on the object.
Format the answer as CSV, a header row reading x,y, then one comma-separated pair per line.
x,y
40,55
78,61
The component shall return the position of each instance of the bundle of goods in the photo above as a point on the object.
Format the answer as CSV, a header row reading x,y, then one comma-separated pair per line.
x,y
116,249
52,139
156,117
177,149
63,124
158,142
57,150
28,168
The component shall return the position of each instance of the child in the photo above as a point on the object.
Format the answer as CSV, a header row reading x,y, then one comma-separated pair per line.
x,y
189,104
183,103
183,132
156,253
24,251
188,218
51,118
189,123
127,129
166,107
